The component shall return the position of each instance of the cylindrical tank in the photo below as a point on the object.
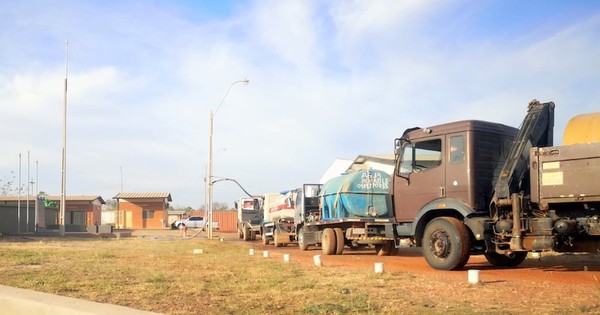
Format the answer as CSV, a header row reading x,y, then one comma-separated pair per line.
x,y
583,129
278,207
363,194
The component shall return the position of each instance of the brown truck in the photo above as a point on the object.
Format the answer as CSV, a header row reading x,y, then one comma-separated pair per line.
x,y
475,187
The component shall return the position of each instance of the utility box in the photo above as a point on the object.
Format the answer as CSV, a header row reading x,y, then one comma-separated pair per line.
x,y
565,174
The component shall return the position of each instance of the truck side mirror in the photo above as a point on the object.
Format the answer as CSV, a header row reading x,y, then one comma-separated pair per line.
x,y
404,158
235,204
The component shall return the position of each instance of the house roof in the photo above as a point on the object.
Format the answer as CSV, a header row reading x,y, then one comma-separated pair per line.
x,y
54,198
160,195
88,198
16,198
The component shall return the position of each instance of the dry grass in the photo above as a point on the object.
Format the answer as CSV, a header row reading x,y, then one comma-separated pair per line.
x,y
162,275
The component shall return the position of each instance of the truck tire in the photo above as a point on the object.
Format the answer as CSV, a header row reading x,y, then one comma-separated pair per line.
x,y
328,241
301,241
276,238
339,241
446,243
246,234
240,233
180,226
386,249
253,235
499,260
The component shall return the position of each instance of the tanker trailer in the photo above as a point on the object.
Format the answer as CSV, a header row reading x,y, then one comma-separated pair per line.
x,y
350,210
278,213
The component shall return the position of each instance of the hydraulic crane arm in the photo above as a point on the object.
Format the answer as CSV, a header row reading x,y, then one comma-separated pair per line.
x,y
535,131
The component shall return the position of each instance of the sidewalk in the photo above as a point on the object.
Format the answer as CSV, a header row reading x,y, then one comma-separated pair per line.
x,y
17,301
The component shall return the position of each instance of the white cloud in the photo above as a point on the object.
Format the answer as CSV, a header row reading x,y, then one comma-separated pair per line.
x,y
327,80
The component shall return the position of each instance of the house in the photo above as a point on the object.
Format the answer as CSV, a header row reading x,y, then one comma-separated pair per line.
x,y
80,210
18,214
142,210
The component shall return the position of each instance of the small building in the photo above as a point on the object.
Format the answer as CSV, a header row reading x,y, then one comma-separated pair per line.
x,y
142,210
19,215
81,210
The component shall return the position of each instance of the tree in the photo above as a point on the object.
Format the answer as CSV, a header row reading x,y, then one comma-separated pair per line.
x,y
8,185
111,204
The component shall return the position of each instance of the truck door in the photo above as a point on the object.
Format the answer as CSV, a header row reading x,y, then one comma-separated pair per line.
x,y
419,177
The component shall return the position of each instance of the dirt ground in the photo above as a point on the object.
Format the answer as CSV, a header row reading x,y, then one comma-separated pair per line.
x,y
553,270
553,284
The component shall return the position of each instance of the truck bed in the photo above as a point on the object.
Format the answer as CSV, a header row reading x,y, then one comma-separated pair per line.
x,y
565,174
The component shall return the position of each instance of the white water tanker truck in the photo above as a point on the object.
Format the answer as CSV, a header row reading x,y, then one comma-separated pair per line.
x,y
278,214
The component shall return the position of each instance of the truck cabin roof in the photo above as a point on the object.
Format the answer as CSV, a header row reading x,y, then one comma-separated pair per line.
x,y
460,126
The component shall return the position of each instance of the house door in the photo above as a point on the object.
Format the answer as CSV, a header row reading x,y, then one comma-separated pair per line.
x,y
128,219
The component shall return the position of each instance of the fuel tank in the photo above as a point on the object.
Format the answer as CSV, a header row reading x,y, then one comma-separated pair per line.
x,y
583,129
363,194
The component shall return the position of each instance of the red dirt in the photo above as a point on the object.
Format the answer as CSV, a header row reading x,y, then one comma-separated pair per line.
x,y
555,269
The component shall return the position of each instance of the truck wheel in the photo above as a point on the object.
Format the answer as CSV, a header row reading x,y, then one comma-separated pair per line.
x,y
240,234
339,241
386,249
446,244
276,239
181,226
246,234
253,235
301,241
500,260
328,241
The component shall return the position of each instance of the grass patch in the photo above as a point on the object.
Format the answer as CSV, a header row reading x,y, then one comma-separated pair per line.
x,y
164,276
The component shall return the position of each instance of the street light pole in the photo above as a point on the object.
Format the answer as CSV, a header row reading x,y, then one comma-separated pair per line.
x,y
210,159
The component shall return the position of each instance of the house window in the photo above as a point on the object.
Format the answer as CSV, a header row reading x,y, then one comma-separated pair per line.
x,y
147,214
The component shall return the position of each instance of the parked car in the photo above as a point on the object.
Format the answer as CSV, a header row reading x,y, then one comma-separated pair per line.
x,y
193,222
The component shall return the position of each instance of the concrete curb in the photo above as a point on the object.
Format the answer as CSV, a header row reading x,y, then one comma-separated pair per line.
x,y
21,301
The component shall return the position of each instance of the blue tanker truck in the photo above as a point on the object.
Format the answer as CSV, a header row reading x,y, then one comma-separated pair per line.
x,y
353,210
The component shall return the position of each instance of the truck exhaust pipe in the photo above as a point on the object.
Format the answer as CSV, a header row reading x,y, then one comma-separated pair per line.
x,y
516,242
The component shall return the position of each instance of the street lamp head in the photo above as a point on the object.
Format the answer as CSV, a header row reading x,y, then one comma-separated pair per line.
x,y
245,81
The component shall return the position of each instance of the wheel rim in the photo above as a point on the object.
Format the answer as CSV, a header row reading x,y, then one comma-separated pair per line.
x,y
440,245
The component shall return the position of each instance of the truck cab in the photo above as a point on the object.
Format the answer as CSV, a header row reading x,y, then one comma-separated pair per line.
x,y
250,217
448,171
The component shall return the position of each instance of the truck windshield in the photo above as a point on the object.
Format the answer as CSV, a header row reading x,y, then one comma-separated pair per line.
x,y
420,157
248,205
311,191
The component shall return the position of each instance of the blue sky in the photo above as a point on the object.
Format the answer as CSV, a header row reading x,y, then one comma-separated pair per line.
x,y
328,79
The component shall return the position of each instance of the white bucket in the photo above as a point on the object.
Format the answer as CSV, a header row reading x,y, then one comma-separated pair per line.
x,y
198,251
378,267
286,257
317,260
266,254
251,251
473,276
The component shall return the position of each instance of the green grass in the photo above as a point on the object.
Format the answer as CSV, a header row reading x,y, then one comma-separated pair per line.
x,y
164,276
